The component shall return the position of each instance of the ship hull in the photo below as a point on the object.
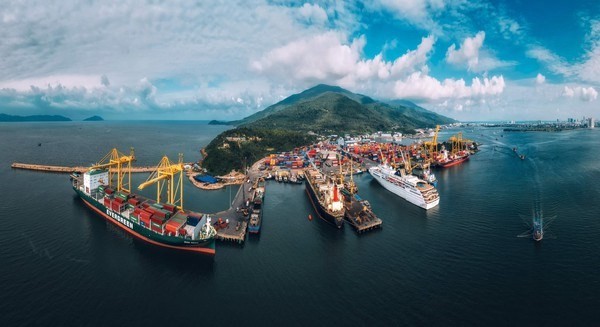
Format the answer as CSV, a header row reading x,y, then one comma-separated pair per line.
x,y
406,194
206,247
454,162
254,229
321,212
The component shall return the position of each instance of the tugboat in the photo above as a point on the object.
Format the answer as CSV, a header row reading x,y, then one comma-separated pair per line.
x,y
538,225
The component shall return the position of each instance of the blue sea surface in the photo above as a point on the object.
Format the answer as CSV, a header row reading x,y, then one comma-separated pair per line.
x,y
460,263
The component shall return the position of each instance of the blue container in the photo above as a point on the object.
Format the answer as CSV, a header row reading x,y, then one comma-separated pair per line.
x,y
192,221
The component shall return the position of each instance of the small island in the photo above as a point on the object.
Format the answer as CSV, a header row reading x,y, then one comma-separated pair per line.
x,y
94,118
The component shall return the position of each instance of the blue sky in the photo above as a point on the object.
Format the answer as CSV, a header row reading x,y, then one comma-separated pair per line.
x,y
141,59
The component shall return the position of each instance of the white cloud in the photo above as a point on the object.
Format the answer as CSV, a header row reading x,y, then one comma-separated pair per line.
x,y
186,49
583,93
554,62
472,56
420,13
329,58
468,52
540,79
421,86
313,13
509,27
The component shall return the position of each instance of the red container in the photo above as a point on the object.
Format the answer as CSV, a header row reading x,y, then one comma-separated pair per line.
x,y
156,229
133,201
182,231
108,191
160,214
118,200
172,228
169,207
145,220
106,202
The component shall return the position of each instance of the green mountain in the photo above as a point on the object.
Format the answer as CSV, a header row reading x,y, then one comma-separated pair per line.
x,y
331,109
94,118
14,118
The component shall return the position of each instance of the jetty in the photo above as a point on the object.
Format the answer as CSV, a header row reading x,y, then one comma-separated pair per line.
x,y
68,170
359,214
233,224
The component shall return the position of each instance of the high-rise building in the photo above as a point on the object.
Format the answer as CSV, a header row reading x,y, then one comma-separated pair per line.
x,y
591,122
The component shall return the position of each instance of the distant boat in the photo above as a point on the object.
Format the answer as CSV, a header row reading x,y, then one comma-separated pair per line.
x,y
538,225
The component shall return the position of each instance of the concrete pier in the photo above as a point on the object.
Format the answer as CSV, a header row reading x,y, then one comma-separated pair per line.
x,y
68,170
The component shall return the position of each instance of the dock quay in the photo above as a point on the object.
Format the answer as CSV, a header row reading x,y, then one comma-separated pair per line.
x,y
68,170
359,214
237,215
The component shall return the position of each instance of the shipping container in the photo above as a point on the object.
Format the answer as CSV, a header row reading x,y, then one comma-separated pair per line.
x,y
156,229
192,221
169,207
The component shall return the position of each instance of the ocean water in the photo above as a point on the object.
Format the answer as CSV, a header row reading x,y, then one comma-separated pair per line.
x,y
458,264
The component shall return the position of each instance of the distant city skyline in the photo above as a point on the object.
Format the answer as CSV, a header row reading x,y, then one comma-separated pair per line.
x,y
136,59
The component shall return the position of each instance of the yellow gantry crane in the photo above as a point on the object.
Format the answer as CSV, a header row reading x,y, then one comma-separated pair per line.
x,y
119,164
165,174
430,147
458,143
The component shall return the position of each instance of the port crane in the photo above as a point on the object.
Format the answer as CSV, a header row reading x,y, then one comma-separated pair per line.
x,y
458,143
431,147
119,164
165,174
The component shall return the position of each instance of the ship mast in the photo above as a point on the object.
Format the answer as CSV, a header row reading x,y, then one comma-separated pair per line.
x,y
165,174
118,163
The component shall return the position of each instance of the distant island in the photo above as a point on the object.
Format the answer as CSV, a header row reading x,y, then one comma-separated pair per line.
x,y
298,120
15,118
94,118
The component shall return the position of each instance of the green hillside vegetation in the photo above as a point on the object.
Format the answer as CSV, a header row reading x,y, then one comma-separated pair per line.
x,y
235,148
334,113
323,110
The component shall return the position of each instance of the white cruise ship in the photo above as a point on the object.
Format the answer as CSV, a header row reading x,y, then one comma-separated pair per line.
x,y
408,187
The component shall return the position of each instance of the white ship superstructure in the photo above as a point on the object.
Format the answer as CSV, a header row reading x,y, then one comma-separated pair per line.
x,y
408,187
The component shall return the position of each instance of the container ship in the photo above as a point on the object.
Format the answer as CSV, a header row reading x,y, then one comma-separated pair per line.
x,y
408,187
325,197
163,224
446,160
256,210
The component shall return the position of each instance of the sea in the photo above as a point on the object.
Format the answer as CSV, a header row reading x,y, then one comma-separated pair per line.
x,y
459,264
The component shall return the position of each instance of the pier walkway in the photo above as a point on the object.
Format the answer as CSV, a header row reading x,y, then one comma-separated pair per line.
x,y
236,230
68,170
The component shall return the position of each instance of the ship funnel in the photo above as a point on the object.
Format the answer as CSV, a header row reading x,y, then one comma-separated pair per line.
x,y
335,193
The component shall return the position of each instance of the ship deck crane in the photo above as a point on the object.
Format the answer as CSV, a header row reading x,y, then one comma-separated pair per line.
x,y
119,164
165,174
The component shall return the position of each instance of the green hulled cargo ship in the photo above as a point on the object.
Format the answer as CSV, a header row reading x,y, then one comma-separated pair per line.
x,y
161,224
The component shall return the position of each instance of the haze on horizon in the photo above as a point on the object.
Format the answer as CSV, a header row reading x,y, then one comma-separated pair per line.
x,y
142,59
